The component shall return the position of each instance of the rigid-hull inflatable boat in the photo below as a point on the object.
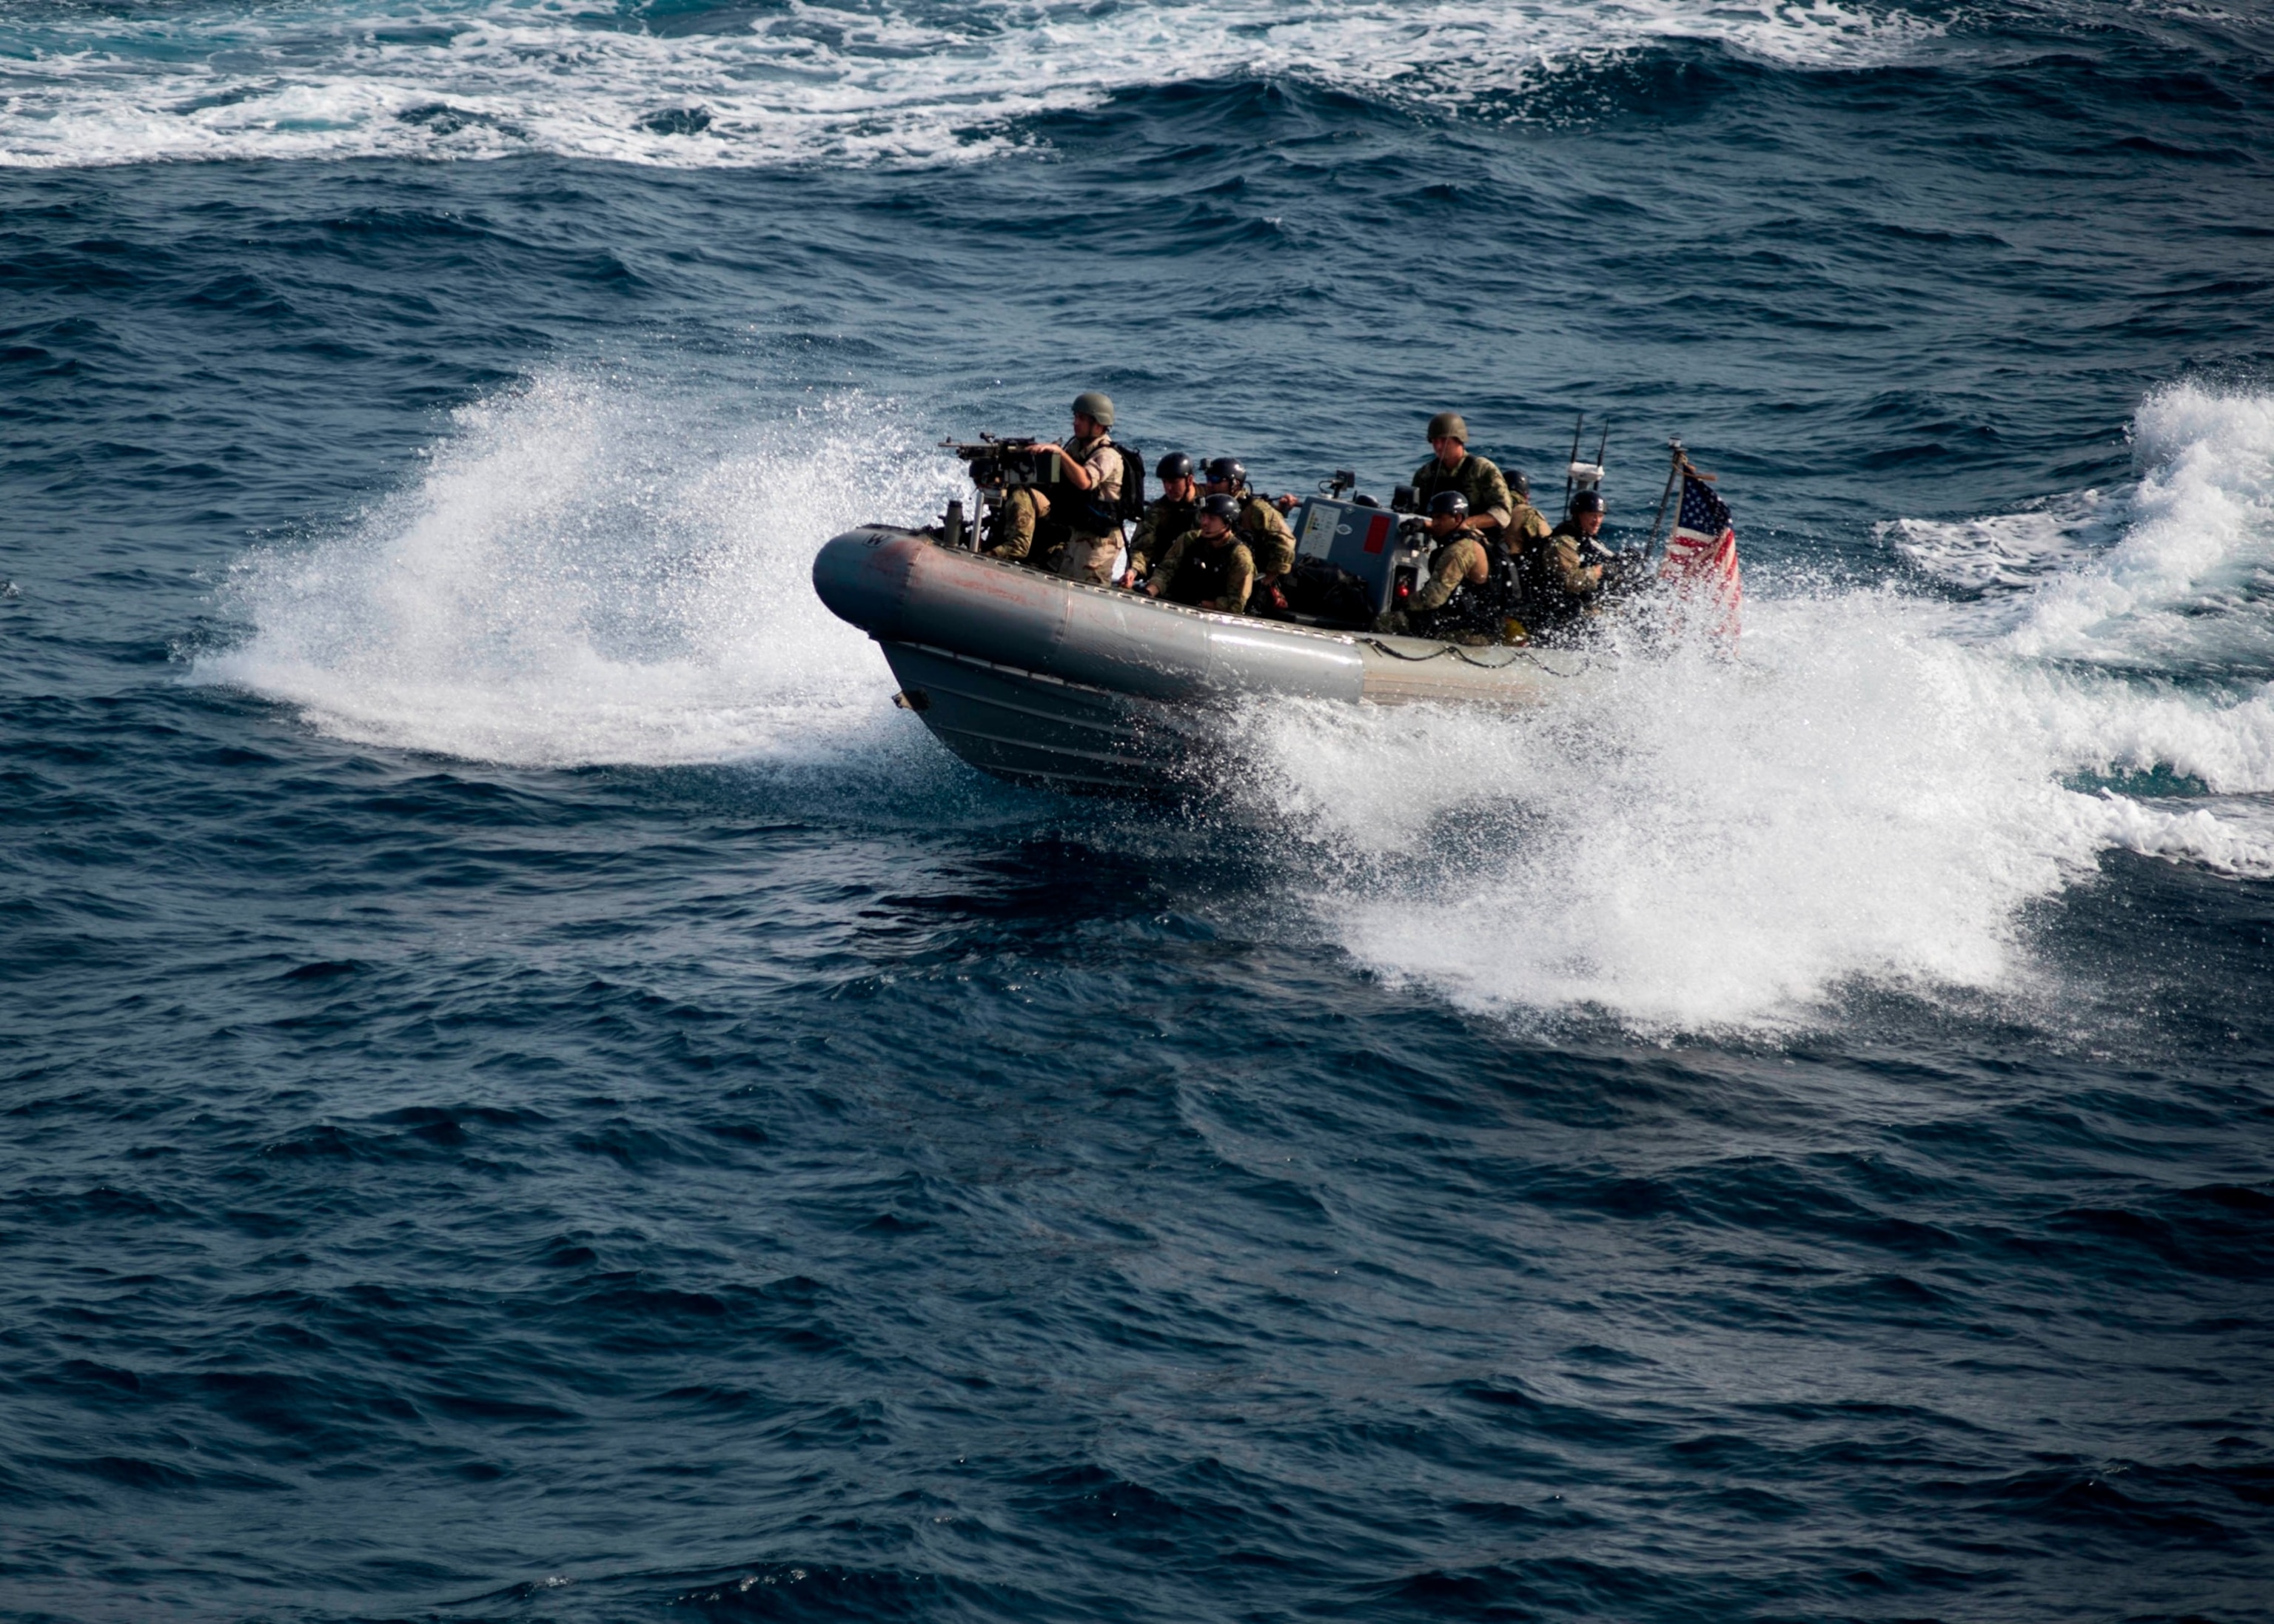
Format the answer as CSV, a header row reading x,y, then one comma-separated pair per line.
x,y
1050,681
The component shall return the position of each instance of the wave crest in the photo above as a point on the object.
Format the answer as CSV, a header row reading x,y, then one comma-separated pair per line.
x,y
584,577
882,82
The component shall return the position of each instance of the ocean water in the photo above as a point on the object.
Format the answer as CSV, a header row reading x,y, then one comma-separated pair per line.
x,y
528,1091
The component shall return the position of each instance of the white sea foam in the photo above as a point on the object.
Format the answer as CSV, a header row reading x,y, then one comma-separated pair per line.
x,y
2189,582
872,81
581,577
1875,794
2003,549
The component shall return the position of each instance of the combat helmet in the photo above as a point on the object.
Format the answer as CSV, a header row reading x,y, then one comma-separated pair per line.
x,y
1220,505
1449,502
1096,407
1447,426
1227,471
1176,465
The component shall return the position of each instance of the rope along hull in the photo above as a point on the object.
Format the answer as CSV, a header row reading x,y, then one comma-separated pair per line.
x,y
1054,682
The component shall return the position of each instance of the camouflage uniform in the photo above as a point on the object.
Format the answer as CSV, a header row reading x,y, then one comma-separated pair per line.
x,y
1165,519
1264,529
1526,523
1560,585
1015,520
1475,477
1460,562
1240,570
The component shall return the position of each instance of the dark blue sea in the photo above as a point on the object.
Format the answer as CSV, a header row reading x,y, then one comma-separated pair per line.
x,y
530,1091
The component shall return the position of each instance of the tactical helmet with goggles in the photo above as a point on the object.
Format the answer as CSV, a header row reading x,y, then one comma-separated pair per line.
x,y
1227,471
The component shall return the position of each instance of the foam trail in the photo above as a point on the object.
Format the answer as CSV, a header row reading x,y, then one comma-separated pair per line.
x,y
889,81
2005,551
1874,794
2183,587
574,582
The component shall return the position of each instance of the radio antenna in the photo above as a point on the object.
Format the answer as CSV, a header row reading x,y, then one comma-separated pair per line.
x,y
1572,461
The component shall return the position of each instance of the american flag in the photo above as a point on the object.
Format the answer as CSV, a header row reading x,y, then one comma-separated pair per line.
x,y
1701,555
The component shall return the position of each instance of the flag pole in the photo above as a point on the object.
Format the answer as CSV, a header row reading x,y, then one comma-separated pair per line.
x,y
1672,474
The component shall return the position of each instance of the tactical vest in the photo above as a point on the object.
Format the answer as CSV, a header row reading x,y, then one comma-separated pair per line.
x,y
1090,512
1201,573
1481,605
1503,583
1434,477
1548,603
1176,518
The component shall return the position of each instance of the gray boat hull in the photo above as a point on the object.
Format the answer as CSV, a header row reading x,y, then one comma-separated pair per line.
x,y
1050,681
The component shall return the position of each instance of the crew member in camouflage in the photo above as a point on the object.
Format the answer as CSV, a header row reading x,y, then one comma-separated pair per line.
x,y
1455,469
1091,465
1265,530
1209,565
1561,585
1526,523
1261,526
1458,599
1459,561
1448,604
1167,516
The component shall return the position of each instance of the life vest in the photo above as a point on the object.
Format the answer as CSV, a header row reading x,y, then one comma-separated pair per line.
x,y
1548,605
1503,582
1433,478
1176,518
1475,606
1202,572
1090,512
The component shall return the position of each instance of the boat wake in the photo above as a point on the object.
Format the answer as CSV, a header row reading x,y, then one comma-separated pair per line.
x,y
588,574
1880,790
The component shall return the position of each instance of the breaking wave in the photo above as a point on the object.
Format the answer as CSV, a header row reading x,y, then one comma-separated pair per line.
x,y
1876,793
877,81
583,575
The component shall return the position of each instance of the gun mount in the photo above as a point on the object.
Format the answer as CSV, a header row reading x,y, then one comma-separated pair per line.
x,y
1005,464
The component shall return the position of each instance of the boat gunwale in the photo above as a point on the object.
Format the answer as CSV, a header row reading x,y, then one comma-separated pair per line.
x,y
1382,642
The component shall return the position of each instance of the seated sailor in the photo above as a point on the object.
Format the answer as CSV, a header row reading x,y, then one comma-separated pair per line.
x,y
1526,523
1262,525
1167,516
1455,469
1564,577
1089,499
1208,566
1464,596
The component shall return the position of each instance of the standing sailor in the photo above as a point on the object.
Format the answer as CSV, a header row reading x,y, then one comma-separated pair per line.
x,y
1208,566
1455,469
1090,465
